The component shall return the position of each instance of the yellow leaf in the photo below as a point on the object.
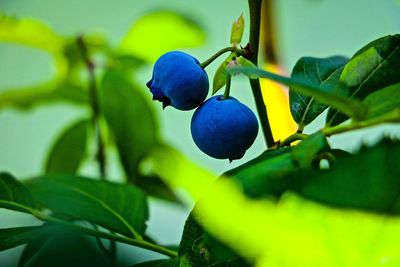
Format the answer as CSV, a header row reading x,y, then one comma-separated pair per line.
x,y
276,99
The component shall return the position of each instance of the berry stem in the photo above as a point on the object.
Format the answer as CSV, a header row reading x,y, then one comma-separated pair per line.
x,y
255,20
227,86
204,64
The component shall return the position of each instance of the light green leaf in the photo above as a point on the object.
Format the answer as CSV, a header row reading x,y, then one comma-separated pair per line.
x,y
321,72
14,195
383,101
307,150
25,98
349,106
69,150
159,32
373,67
237,30
130,118
220,76
118,207
34,33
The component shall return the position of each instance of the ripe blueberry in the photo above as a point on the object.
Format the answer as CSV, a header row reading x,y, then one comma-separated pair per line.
x,y
224,128
179,81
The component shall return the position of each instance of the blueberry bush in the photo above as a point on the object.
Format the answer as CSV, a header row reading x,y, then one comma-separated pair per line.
x,y
302,202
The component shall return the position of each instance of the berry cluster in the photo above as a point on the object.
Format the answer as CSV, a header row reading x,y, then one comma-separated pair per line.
x,y
221,127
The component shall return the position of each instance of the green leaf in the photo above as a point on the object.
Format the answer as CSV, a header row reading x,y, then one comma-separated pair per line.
x,y
29,97
159,263
221,75
130,118
373,67
121,208
368,180
34,33
62,247
237,30
156,187
200,249
159,32
323,73
348,106
305,153
13,237
383,101
69,149
14,195
265,175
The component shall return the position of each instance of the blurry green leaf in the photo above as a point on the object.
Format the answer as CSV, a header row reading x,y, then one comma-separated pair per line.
x,y
368,180
237,30
159,263
13,237
49,92
383,101
266,231
307,150
14,195
159,32
156,187
323,73
373,67
62,247
121,208
220,75
69,149
130,118
349,106
34,33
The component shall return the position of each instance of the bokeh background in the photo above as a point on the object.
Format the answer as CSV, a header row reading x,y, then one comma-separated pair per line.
x,y
318,28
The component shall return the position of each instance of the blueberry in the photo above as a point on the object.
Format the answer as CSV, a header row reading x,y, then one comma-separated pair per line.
x,y
179,81
224,128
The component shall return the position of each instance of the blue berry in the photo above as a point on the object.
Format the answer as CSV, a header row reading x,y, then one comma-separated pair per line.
x,y
224,128
179,81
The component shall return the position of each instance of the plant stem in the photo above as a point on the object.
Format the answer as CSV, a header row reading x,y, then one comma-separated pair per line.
x,y
227,86
216,55
390,117
112,237
255,18
100,154
294,137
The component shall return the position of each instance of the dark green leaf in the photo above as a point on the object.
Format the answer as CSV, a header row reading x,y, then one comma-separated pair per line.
x,y
265,175
159,263
63,247
12,237
373,67
130,118
237,30
305,153
348,106
368,180
118,207
69,149
220,75
14,195
324,73
198,248
383,101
